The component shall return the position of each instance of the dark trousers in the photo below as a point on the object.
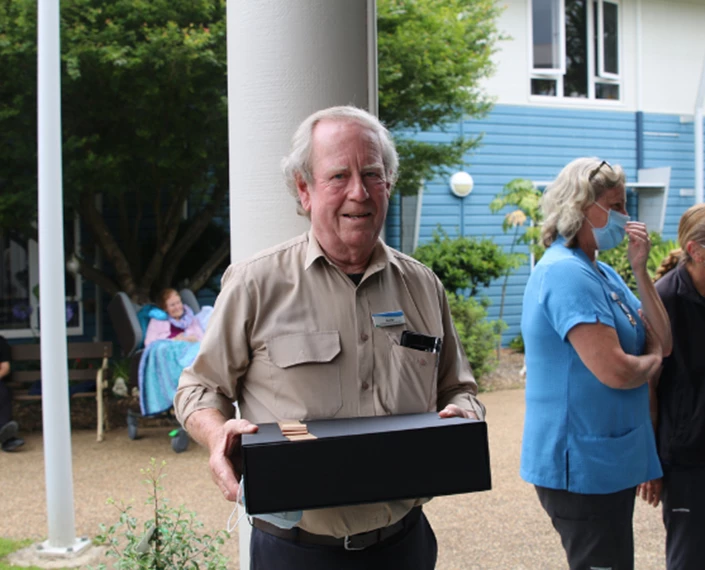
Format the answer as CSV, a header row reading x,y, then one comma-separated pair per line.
x,y
684,518
596,530
412,549
5,403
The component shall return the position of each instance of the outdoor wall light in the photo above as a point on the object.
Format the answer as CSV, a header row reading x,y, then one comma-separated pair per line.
x,y
461,184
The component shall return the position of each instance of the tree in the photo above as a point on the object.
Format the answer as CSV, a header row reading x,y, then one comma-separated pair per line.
x,y
432,55
144,109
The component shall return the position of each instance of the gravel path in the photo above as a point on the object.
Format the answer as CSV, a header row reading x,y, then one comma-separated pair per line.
x,y
503,529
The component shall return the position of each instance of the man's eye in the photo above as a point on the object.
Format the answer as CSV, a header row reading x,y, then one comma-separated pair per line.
x,y
338,176
372,175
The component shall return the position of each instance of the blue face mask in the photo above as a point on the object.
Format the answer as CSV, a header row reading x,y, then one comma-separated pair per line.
x,y
612,234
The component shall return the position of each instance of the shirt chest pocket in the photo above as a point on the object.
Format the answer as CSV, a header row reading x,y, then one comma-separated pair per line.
x,y
305,376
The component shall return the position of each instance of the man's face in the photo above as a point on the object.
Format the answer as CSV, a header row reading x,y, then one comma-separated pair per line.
x,y
349,195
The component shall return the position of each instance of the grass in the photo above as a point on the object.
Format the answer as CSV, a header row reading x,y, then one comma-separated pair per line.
x,y
8,546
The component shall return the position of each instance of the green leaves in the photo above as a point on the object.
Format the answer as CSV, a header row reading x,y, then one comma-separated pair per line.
x,y
172,540
478,336
521,194
463,262
432,56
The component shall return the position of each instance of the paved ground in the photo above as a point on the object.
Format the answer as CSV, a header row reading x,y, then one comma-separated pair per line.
x,y
503,529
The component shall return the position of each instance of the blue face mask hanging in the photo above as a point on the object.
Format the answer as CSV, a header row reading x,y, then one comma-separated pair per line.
x,y
612,233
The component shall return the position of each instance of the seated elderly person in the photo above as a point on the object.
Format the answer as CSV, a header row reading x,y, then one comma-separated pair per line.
x,y
172,341
180,324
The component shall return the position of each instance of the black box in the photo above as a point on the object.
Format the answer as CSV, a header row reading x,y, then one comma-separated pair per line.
x,y
364,460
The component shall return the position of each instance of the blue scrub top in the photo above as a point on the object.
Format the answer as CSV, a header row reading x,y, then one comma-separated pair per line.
x,y
579,434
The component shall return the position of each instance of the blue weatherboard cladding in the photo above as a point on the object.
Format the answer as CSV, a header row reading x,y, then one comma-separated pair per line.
x,y
535,143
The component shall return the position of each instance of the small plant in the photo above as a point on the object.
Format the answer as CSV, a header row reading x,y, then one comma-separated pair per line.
x,y
525,196
517,343
171,540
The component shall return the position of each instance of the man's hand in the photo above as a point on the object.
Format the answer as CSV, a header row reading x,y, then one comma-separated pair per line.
x,y
651,491
453,411
226,456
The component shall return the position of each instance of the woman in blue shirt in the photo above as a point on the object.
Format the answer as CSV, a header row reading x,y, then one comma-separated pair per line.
x,y
588,440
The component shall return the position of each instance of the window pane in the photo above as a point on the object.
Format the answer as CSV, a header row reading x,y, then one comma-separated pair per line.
x,y
576,77
606,91
610,38
546,34
15,308
543,87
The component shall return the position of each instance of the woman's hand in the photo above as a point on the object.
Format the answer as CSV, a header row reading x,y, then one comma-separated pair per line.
x,y
639,245
651,491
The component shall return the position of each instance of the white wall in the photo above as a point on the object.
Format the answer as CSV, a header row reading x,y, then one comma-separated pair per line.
x,y
673,49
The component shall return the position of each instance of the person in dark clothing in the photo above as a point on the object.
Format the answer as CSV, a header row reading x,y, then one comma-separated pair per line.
x,y
678,398
8,427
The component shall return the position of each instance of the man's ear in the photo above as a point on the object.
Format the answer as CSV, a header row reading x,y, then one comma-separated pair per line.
x,y
303,191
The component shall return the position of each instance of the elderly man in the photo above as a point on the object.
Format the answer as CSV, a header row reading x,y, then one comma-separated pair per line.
x,y
303,331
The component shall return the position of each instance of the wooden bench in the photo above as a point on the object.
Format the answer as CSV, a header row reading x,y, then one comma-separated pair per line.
x,y
21,380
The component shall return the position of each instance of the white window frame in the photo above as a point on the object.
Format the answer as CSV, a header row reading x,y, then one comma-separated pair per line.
x,y
33,266
556,71
601,76
601,37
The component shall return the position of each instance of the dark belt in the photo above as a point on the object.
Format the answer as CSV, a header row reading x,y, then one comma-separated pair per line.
x,y
352,542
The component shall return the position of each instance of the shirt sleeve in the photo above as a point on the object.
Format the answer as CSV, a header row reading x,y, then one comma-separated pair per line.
x,y
211,382
571,294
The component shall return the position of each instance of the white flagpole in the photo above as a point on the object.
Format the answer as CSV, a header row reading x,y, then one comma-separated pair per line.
x,y
55,399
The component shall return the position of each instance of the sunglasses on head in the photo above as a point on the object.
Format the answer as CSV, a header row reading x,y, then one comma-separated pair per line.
x,y
594,171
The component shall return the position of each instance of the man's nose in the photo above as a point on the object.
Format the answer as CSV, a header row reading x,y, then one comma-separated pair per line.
x,y
357,190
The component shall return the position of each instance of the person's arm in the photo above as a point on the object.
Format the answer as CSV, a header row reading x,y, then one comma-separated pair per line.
x,y
599,349
223,439
4,369
651,304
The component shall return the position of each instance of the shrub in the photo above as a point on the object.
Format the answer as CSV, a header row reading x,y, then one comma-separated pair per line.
x,y
477,335
463,262
171,540
517,343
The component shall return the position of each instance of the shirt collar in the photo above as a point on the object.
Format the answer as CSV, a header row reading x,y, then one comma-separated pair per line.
x,y
381,255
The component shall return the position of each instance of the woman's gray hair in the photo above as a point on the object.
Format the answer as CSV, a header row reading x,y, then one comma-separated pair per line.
x,y
298,162
577,186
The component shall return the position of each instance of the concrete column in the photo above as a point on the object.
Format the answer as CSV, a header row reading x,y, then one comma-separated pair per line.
x,y
285,61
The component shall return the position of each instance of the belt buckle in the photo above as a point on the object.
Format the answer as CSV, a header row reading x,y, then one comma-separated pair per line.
x,y
348,546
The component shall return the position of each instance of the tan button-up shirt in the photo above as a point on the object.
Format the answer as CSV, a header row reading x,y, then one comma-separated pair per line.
x,y
292,337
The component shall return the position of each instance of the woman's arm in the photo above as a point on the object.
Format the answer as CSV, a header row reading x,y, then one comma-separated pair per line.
x,y
651,305
598,347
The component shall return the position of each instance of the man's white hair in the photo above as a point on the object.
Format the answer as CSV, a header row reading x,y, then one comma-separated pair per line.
x,y
298,162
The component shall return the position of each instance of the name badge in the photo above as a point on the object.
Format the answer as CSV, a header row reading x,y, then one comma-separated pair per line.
x,y
390,319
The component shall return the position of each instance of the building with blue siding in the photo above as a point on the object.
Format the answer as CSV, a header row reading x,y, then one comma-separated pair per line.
x,y
616,79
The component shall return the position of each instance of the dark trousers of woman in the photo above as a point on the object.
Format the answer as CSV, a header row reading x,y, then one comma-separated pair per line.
x,y
413,549
684,518
596,530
